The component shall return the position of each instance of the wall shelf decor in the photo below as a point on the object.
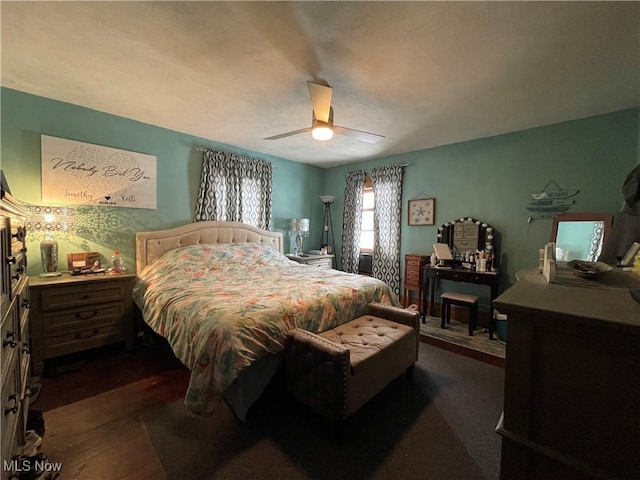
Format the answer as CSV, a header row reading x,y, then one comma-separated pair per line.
x,y
549,202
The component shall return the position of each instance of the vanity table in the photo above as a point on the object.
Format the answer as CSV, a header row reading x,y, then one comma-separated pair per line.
x,y
431,283
572,390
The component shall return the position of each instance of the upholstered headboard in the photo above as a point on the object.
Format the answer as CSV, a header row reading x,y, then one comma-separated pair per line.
x,y
150,245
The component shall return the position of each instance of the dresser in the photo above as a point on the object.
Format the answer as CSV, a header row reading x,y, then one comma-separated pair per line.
x,y
14,308
572,378
323,261
413,268
75,313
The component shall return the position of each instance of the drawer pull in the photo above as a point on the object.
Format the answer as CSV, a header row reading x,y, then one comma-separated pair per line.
x,y
26,348
86,317
16,405
11,260
86,296
25,303
10,340
87,334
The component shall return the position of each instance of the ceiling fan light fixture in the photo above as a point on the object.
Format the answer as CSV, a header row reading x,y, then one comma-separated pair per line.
x,y
322,132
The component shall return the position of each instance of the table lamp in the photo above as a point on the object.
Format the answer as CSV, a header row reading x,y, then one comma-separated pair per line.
x,y
49,220
300,229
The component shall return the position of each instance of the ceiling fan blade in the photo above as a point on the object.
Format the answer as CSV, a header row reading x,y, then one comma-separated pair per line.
x,y
289,134
321,100
357,134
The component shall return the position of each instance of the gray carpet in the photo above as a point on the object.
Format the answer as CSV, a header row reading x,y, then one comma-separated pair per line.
x,y
439,426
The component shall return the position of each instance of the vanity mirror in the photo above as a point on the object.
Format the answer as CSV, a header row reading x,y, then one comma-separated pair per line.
x,y
467,234
580,236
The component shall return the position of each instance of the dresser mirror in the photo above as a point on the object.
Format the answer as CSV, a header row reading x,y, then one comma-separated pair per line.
x,y
580,236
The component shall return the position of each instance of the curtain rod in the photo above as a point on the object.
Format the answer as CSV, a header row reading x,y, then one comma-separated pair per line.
x,y
204,149
402,165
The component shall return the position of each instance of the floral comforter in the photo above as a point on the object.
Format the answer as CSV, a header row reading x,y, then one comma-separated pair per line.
x,y
223,306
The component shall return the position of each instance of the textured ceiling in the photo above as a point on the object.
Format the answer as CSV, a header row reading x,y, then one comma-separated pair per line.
x,y
422,74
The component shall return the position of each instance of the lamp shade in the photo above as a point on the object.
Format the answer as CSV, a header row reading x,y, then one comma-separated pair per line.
x,y
299,225
327,198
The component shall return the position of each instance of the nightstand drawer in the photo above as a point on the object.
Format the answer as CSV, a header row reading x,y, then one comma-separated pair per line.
x,y
323,263
81,294
77,319
70,342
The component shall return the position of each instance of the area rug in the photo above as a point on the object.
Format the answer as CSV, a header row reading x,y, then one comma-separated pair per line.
x,y
438,426
458,334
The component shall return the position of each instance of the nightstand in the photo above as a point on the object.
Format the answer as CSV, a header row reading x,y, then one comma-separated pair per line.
x,y
71,314
324,261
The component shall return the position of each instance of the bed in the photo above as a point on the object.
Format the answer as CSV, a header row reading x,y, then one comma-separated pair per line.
x,y
225,297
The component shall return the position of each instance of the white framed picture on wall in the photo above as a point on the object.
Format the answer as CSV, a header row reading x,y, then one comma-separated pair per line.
x,y
421,211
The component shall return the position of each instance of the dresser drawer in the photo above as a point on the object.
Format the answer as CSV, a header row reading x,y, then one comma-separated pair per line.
x,y
414,271
81,294
413,280
10,412
10,337
90,337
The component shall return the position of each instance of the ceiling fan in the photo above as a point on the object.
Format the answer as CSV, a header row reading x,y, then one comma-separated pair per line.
x,y
322,127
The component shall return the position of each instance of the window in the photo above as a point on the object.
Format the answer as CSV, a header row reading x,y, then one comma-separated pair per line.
x,y
366,228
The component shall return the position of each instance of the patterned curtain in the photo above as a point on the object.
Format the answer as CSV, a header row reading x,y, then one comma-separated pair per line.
x,y
234,188
351,221
596,242
387,189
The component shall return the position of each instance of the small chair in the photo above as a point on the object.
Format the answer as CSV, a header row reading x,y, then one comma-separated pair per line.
x,y
461,300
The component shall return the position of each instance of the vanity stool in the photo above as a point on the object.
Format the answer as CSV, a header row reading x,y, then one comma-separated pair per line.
x,y
461,300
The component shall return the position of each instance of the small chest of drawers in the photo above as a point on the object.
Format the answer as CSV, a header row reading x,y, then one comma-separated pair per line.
x,y
413,268
75,313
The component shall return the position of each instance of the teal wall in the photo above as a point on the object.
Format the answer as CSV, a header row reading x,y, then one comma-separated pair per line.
x,y
25,117
490,179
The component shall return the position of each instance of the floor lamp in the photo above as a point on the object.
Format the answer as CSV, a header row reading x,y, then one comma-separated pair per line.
x,y
328,226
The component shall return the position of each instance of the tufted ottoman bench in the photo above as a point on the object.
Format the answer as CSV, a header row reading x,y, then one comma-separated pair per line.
x,y
337,371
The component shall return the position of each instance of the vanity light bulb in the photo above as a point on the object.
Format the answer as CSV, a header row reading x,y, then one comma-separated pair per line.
x,y
489,237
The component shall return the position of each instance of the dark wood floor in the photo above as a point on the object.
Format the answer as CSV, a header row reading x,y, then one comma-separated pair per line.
x,y
92,413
